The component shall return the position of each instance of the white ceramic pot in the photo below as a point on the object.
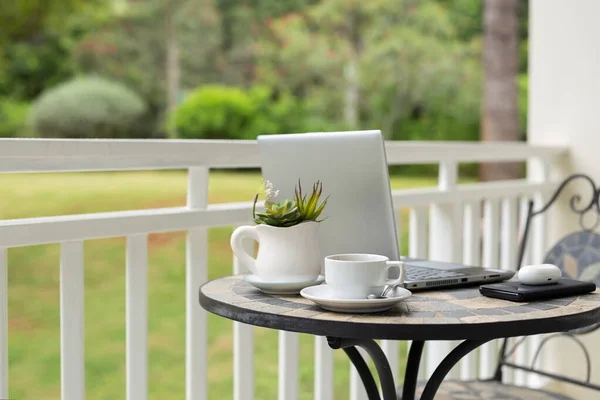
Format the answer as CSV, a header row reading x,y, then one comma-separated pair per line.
x,y
284,254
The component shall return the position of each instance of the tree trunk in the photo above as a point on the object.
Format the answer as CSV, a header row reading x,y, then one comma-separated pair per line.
x,y
352,71
172,56
351,94
500,119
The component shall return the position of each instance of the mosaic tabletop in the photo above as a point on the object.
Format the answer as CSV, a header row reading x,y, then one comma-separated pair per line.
x,y
450,314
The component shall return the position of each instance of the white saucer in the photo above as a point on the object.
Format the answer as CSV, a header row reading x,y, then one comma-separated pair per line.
x,y
281,287
322,296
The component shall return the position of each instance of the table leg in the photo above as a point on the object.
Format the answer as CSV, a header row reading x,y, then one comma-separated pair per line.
x,y
412,370
446,365
364,372
388,388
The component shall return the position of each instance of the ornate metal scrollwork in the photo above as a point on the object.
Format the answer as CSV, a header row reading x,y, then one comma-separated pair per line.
x,y
575,202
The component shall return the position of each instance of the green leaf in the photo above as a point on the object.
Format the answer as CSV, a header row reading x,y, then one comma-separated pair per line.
x,y
254,205
299,202
312,202
320,208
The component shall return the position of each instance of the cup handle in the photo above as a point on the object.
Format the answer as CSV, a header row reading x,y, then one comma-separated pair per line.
x,y
401,277
238,249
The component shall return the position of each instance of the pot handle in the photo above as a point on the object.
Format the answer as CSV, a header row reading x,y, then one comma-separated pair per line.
x,y
240,252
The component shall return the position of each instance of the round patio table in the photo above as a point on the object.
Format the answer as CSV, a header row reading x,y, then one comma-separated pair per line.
x,y
456,314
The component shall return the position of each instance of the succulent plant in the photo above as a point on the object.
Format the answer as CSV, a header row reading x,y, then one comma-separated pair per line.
x,y
287,212
310,209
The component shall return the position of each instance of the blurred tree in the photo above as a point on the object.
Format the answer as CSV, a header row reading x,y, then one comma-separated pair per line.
x,y
163,48
172,49
500,114
295,56
227,10
26,19
419,70
242,24
405,55
466,17
347,22
36,39
135,49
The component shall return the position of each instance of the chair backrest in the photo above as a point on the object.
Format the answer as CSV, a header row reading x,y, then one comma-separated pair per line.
x,y
577,255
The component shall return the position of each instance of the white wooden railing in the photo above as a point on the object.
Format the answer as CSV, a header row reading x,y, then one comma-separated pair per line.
x,y
448,222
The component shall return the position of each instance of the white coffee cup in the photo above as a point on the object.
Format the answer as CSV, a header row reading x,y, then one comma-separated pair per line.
x,y
355,276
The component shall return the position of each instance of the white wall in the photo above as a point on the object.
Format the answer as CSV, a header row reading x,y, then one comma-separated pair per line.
x,y
564,107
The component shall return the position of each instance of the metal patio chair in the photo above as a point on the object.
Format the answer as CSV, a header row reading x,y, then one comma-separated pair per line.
x,y
578,256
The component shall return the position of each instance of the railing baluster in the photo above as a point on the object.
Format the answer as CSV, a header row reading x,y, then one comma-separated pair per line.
x,y
445,244
417,239
521,353
523,206
323,369
417,248
137,317
72,321
538,248
3,324
538,170
508,244
508,250
288,366
491,244
457,232
471,256
196,274
243,348
390,347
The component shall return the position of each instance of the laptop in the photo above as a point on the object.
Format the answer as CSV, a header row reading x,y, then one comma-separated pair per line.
x,y
360,216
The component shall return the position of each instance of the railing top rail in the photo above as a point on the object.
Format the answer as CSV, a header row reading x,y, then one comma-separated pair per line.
x,y
53,155
43,230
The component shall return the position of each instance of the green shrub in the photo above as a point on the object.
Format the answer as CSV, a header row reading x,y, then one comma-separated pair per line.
x,y
269,115
13,118
275,114
88,108
214,112
223,112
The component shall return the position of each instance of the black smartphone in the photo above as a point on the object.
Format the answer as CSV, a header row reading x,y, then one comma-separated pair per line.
x,y
516,291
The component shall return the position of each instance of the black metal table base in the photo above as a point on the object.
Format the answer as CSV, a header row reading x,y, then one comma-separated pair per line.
x,y
363,371
388,387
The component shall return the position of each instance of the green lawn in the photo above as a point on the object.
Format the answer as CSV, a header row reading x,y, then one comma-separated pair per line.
x,y
34,340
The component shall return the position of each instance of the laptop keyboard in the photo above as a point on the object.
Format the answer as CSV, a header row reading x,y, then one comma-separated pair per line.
x,y
422,274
